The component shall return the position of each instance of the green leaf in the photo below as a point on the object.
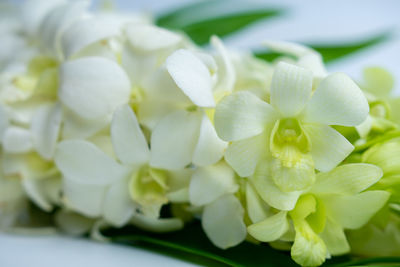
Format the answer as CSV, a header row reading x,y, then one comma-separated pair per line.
x,y
331,53
202,20
191,244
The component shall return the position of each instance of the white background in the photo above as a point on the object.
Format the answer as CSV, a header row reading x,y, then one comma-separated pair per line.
x,y
309,21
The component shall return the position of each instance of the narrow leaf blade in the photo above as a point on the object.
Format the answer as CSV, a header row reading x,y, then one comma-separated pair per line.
x,y
331,53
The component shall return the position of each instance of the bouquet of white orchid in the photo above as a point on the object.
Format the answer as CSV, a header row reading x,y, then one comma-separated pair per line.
x,y
107,120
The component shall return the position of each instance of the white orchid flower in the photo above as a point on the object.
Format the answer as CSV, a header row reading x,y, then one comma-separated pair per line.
x,y
213,188
294,129
335,202
187,135
117,188
28,155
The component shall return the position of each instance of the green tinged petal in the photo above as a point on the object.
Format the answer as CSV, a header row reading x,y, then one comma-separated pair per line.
x,y
395,109
308,248
257,209
386,156
306,205
378,81
269,192
328,146
352,212
376,241
293,168
299,177
347,179
317,219
148,188
270,229
335,239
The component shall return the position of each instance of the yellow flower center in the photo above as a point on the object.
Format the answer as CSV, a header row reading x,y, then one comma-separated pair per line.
x,y
293,167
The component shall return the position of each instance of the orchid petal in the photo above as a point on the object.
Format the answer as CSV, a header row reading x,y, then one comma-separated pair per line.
x,y
161,87
17,140
34,11
174,139
337,101
378,81
57,21
335,238
290,89
129,143
83,162
226,70
244,155
45,129
257,209
222,222
192,77
76,127
73,223
242,115
210,148
86,199
328,146
149,38
98,81
385,155
209,183
33,189
118,205
350,211
269,192
87,31
151,111
308,248
347,179
270,229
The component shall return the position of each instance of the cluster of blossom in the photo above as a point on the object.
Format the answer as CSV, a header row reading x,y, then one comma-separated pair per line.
x,y
106,118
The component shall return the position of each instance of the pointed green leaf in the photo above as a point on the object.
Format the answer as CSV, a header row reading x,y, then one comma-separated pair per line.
x,y
331,53
206,18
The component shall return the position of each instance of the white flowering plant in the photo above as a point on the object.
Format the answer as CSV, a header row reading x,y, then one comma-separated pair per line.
x,y
113,126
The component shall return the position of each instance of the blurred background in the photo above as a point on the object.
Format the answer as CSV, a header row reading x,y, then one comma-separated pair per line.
x,y
367,32
350,35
